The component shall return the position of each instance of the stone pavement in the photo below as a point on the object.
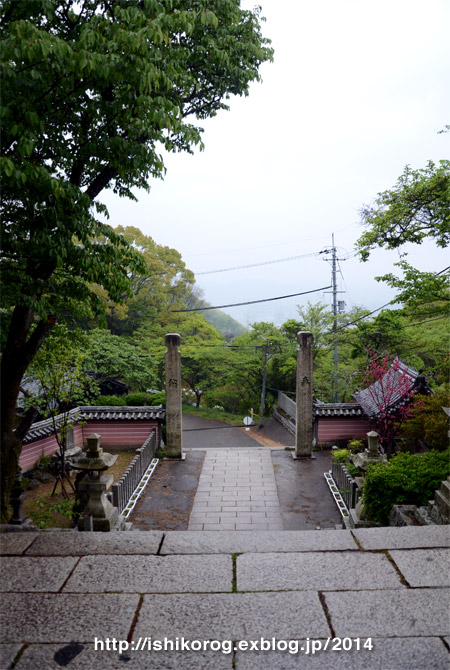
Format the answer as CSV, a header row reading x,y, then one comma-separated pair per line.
x,y
64,592
236,491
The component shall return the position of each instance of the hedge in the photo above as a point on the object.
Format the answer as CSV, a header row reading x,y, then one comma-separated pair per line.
x,y
137,399
407,479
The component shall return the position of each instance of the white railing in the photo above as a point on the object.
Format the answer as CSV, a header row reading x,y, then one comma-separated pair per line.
x,y
286,404
347,486
125,487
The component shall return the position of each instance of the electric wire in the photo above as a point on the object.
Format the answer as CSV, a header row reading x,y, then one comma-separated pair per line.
x,y
345,285
254,265
251,302
408,325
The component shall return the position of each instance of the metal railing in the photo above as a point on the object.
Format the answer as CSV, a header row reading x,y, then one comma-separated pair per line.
x,y
347,486
125,487
286,404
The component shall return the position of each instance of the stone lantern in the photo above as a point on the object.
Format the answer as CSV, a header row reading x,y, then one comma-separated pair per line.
x,y
95,486
371,455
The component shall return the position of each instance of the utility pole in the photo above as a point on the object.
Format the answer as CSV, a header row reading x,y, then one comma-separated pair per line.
x,y
336,311
263,390
334,287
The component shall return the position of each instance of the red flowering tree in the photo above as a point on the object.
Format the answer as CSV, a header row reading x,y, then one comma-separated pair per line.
x,y
389,387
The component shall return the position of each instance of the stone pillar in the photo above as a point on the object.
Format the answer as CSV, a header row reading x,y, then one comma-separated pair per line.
x,y
174,444
304,410
372,441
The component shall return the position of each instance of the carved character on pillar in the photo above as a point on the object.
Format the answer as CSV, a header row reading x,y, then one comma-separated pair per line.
x,y
174,442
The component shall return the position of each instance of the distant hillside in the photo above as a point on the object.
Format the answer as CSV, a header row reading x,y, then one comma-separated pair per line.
x,y
224,323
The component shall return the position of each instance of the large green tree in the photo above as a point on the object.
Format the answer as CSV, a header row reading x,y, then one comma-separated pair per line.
x,y
91,93
109,357
415,209
165,284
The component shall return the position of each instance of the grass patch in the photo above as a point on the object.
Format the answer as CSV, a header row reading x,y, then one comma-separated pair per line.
x,y
204,413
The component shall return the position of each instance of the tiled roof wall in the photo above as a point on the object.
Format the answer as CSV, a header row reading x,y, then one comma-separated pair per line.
x,y
43,428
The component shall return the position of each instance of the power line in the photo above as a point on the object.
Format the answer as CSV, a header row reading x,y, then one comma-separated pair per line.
x,y
251,302
364,316
394,330
382,307
254,265
226,346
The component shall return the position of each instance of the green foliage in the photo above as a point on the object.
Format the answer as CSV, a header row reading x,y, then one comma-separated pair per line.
x,y
111,357
429,423
234,398
63,384
340,455
223,322
160,452
110,401
164,285
91,93
407,479
211,413
353,470
43,513
317,319
417,208
132,400
355,445
87,96
146,399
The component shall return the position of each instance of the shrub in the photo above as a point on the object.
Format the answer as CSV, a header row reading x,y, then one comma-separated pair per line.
x,y
340,455
407,479
144,398
353,470
233,399
139,399
355,445
109,400
428,422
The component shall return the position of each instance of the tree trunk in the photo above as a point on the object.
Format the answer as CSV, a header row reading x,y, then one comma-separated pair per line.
x,y
21,347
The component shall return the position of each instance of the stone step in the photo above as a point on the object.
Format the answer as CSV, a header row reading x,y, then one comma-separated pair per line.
x,y
445,488
443,505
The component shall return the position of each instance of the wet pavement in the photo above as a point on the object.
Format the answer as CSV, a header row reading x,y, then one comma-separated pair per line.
x,y
199,433
167,501
207,490
305,499
374,598
236,491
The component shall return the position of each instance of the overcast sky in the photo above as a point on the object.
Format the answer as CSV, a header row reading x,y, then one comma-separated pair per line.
x,y
357,90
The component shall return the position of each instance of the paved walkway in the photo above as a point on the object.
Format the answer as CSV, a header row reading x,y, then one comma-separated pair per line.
x,y
200,433
236,491
69,599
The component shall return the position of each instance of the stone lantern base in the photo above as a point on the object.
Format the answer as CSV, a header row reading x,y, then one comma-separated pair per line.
x,y
104,515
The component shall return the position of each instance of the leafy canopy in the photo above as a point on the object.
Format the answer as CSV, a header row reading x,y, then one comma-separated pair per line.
x,y
417,208
91,93
109,357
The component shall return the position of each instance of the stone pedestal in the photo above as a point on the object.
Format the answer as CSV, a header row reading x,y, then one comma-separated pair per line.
x,y
369,456
104,515
174,443
304,406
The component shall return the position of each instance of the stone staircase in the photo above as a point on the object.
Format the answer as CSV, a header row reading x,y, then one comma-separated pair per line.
x,y
439,508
